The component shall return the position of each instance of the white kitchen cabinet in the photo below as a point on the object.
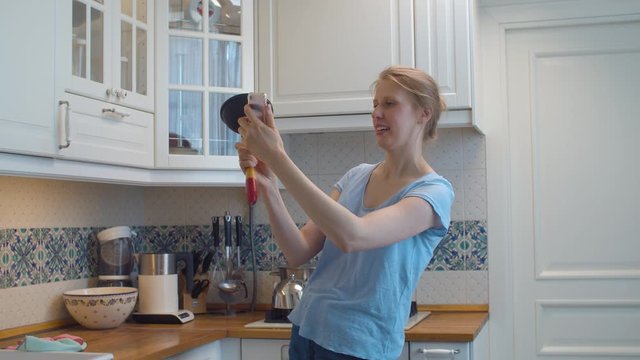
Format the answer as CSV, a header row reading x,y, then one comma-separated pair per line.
x,y
478,349
200,64
321,57
443,47
104,81
105,51
225,349
101,132
27,104
317,63
265,349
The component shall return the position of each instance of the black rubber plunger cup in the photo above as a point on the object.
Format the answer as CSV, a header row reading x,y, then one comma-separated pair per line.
x,y
233,109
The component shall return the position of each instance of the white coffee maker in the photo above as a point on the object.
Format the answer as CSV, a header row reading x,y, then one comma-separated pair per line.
x,y
158,289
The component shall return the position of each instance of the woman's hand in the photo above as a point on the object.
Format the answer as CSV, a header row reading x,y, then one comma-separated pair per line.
x,y
260,138
265,177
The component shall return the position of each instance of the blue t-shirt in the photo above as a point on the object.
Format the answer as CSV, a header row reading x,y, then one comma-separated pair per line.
x,y
358,303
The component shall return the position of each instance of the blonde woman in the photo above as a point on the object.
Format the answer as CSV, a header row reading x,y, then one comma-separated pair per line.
x,y
377,229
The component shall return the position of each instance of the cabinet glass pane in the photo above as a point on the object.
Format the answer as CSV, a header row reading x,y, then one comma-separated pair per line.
x,y
97,45
221,139
141,11
225,63
126,7
141,61
185,122
226,17
79,40
126,56
185,61
183,14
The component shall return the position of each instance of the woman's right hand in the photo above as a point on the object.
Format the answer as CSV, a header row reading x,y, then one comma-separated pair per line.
x,y
266,178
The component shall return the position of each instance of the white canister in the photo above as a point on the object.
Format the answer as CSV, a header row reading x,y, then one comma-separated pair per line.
x,y
158,294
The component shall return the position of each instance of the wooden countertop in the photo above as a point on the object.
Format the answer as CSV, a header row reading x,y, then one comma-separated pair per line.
x,y
155,341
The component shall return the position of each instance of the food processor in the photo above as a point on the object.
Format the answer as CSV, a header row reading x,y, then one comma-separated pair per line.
x,y
115,257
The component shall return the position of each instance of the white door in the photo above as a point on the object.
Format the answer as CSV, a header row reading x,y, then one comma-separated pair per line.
x,y
574,189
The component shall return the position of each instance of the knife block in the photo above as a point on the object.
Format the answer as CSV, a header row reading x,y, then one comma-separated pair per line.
x,y
196,305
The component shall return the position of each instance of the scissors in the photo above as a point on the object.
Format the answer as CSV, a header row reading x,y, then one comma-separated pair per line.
x,y
198,287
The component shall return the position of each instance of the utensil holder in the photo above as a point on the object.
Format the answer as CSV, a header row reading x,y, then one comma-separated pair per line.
x,y
197,305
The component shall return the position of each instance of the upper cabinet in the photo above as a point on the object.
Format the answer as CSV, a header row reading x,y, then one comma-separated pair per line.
x,y
321,57
443,47
204,56
108,52
317,60
104,85
27,104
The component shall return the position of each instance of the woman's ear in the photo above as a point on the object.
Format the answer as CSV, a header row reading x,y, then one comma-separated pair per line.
x,y
425,115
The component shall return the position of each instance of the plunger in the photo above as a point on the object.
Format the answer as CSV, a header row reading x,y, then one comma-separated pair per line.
x,y
233,109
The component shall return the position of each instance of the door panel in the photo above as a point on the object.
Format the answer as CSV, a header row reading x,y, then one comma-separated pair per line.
x,y
574,173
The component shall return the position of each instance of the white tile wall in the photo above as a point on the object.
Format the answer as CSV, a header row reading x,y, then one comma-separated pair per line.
x,y
37,303
51,203
458,154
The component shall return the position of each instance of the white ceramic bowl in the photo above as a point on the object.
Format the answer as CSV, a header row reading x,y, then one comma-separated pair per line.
x,y
100,307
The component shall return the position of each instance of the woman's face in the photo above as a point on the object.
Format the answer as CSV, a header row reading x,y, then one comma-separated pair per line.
x,y
397,121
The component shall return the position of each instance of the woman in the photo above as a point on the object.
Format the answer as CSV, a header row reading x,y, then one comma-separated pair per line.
x,y
377,229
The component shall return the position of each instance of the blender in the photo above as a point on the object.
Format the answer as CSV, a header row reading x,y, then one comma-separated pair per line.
x,y
115,257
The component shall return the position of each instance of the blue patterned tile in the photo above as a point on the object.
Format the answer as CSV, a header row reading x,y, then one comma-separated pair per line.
x,y
164,239
7,279
33,256
56,257
449,253
476,236
23,249
197,238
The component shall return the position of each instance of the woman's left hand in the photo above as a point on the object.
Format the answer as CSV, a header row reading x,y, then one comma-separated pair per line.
x,y
261,139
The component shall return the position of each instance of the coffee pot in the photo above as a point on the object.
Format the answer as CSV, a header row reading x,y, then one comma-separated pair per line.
x,y
115,257
158,295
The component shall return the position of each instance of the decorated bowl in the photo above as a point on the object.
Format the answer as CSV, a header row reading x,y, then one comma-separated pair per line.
x,y
100,307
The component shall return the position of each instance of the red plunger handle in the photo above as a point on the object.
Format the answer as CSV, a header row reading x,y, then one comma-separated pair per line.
x,y
251,185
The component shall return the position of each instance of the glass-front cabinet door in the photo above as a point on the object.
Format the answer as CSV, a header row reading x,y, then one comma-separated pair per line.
x,y
204,56
112,51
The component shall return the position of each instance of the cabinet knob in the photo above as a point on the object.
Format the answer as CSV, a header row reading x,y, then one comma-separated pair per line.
x,y
118,93
121,94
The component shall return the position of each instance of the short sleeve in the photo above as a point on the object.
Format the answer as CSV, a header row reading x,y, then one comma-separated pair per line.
x,y
438,192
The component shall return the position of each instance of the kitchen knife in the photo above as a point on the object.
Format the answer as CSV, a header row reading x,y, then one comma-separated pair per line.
x,y
239,236
206,263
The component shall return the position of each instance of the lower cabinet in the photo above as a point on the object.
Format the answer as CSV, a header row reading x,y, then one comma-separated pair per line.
x,y
278,349
265,349
478,349
225,349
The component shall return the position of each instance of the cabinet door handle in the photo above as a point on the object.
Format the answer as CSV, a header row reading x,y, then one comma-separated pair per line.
x,y
438,352
64,133
113,111
284,352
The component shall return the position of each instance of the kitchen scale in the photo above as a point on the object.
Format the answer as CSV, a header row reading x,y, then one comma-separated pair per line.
x,y
178,317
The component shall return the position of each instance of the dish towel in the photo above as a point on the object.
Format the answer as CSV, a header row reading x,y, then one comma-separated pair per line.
x,y
63,342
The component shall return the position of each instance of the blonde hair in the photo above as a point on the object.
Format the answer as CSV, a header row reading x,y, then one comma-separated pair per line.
x,y
424,90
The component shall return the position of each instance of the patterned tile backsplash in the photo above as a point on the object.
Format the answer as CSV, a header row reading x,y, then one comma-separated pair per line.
x,y
44,255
